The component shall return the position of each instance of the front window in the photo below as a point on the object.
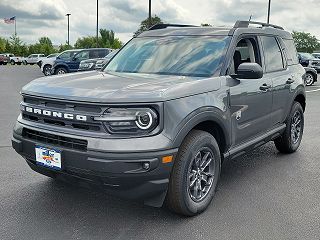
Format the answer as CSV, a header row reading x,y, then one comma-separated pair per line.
x,y
173,55
67,54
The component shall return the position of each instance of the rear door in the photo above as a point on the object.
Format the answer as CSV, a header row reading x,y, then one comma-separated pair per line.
x,y
250,99
277,70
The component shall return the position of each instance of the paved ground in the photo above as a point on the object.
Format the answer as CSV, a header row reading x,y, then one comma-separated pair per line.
x,y
263,195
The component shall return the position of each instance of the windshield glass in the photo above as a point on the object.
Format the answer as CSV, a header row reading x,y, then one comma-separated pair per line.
x,y
173,55
306,55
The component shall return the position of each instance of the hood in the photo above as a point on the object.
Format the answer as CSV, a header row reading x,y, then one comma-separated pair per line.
x,y
119,87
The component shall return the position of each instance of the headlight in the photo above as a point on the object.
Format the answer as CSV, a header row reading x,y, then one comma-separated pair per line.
x,y
86,65
136,121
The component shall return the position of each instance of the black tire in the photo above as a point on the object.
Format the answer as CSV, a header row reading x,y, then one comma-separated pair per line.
x,y
47,70
60,70
24,62
4,63
289,142
12,62
179,197
309,79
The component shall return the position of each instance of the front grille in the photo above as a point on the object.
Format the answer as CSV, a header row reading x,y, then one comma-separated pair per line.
x,y
89,110
55,140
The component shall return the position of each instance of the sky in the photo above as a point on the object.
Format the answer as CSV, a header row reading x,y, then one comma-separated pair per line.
x,y
37,18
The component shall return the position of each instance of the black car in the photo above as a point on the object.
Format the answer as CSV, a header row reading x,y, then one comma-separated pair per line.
x,y
308,60
96,63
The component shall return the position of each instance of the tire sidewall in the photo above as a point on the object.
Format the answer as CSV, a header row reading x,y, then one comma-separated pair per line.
x,y
309,84
206,141
296,107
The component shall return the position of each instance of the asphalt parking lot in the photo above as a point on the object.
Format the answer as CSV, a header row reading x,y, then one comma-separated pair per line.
x,y
262,195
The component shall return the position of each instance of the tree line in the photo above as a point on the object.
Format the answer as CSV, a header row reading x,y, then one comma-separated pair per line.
x,y
44,45
305,42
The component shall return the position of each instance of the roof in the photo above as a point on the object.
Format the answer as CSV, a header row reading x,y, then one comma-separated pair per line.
x,y
239,28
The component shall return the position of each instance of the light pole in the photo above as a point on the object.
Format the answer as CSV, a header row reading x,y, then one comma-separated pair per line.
x,y
149,13
68,15
97,37
269,6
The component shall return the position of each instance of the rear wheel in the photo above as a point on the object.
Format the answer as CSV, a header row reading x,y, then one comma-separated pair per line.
x,y
309,79
60,70
291,138
12,62
195,174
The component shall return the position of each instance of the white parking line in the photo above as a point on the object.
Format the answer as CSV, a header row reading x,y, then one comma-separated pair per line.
x,y
315,90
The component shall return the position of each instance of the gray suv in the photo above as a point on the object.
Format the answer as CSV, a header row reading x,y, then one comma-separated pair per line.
x,y
158,121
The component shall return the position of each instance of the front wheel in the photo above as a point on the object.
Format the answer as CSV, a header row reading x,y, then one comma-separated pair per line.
x,y
309,80
12,62
291,138
195,174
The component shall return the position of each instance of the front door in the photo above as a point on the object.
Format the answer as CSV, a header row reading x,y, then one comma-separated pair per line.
x,y
250,99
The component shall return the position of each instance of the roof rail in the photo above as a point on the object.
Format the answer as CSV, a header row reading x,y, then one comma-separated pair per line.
x,y
166,25
245,24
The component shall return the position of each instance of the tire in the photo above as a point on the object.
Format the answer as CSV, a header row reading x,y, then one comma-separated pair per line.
x,y
291,138
4,63
60,70
183,186
24,62
12,62
47,70
309,79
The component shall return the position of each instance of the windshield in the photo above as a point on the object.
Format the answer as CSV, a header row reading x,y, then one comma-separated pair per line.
x,y
67,54
306,55
173,55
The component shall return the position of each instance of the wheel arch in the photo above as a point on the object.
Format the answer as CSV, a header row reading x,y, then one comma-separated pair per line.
x,y
211,121
301,99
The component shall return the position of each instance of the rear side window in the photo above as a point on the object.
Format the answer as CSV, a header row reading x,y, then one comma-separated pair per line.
x,y
272,54
291,51
103,53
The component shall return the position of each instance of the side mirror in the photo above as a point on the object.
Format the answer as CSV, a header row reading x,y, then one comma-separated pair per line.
x,y
249,71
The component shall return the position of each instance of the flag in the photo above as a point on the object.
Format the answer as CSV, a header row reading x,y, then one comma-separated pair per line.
x,y
10,20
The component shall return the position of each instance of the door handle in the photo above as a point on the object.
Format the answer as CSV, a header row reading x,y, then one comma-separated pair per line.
x,y
290,80
265,87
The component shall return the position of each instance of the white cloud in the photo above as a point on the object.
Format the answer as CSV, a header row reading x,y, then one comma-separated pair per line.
x,y
36,18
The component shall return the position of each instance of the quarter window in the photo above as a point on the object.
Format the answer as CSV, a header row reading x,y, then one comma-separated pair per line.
x,y
272,54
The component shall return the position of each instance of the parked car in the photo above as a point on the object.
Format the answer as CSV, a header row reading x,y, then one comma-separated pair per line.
x,y
311,76
33,59
62,66
175,103
47,63
39,63
4,59
14,59
103,61
308,60
316,55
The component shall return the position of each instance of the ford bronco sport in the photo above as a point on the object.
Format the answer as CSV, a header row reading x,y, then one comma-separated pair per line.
x,y
157,122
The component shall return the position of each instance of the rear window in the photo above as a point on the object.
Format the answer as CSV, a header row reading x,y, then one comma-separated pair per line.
x,y
291,52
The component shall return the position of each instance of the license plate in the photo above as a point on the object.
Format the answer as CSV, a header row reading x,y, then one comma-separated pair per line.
x,y
48,157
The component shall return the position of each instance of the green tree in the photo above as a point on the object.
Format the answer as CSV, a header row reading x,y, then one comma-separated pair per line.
x,y
15,45
64,47
145,25
86,42
305,42
2,44
206,25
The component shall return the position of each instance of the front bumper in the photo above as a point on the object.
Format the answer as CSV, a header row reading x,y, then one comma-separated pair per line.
x,y
118,173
